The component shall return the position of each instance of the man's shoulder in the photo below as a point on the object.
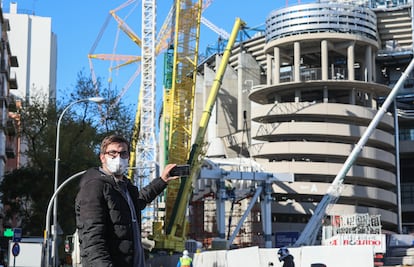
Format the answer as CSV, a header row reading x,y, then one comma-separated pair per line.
x,y
95,176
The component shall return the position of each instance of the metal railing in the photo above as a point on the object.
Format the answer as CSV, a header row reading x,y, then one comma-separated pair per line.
x,y
321,17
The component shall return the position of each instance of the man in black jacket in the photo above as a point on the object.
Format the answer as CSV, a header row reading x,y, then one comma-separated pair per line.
x,y
286,257
108,209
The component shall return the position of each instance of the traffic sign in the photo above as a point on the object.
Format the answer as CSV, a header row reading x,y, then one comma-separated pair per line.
x,y
17,236
16,249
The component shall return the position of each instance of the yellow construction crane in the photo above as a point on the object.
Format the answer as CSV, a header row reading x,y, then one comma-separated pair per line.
x,y
180,150
178,110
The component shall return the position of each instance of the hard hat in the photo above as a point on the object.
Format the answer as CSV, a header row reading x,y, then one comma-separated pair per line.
x,y
185,252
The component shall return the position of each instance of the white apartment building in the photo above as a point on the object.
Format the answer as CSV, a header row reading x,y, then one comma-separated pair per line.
x,y
35,45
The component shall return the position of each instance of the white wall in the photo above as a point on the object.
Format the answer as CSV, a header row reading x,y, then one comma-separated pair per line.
x,y
331,256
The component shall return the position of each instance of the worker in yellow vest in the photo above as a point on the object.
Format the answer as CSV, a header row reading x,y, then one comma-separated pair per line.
x,y
185,260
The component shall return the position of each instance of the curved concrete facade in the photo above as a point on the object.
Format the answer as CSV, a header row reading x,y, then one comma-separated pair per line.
x,y
318,100
326,17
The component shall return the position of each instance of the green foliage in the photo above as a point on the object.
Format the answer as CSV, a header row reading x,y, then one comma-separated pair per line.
x,y
27,191
113,116
24,190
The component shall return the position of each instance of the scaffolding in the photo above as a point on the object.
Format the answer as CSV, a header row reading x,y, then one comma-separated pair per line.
x,y
203,223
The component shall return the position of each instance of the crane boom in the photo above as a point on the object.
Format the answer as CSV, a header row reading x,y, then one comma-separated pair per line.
x,y
128,58
126,29
309,234
195,153
216,29
199,140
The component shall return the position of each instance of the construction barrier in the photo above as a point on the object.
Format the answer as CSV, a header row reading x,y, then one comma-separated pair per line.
x,y
327,256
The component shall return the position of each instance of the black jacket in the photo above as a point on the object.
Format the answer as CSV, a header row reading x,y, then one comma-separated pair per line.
x,y
288,261
103,218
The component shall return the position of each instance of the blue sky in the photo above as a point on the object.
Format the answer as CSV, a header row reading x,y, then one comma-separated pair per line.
x,y
77,25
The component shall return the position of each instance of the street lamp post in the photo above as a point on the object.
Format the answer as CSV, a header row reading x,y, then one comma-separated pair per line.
x,y
54,229
46,243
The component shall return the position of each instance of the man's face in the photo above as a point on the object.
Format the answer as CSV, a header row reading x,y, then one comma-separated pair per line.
x,y
114,150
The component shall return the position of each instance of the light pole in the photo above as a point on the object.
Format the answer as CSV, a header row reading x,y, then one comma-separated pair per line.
x,y
46,244
54,230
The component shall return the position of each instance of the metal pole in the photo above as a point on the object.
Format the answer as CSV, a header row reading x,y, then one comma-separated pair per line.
x,y
397,167
49,208
267,213
221,208
54,230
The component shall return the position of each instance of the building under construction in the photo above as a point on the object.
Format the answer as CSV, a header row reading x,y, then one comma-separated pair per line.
x,y
296,99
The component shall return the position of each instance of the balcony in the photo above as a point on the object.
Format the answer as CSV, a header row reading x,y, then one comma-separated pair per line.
x,y
13,80
14,62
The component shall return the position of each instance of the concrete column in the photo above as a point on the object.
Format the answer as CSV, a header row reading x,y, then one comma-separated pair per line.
x,y
296,63
351,62
372,100
362,68
269,78
212,128
248,75
276,70
277,99
368,60
374,68
325,95
221,209
267,213
297,96
352,97
324,60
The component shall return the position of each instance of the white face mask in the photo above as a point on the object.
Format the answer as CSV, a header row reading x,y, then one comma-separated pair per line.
x,y
116,166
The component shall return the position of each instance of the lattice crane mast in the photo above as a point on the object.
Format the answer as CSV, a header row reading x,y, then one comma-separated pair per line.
x,y
146,146
178,110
